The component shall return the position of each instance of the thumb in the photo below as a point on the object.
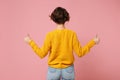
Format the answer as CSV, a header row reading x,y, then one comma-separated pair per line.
x,y
96,36
28,35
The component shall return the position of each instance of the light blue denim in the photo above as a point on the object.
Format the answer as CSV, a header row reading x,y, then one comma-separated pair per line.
x,y
61,74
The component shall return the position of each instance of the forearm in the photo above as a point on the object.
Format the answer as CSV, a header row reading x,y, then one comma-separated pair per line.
x,y
81,51
36,49
87,47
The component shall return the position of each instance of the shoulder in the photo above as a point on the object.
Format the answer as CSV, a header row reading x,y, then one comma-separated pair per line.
x,y
71,31
50,33
66,30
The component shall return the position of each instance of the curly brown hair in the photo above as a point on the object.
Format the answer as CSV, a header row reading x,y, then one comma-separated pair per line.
x,y
60,15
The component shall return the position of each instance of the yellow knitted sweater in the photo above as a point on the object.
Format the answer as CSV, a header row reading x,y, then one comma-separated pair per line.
x,y
60,45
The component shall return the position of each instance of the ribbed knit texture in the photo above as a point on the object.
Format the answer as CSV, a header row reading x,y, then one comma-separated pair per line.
x,y
60,44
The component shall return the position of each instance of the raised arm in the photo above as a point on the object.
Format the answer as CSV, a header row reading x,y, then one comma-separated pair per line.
x,y
40,51
79,50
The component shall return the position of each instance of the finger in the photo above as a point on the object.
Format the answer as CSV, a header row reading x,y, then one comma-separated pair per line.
x,y
96,35
28,35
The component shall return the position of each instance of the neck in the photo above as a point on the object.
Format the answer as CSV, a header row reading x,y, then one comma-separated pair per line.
x,y
60,26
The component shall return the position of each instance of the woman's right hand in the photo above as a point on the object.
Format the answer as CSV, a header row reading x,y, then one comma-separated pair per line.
x,y
27,39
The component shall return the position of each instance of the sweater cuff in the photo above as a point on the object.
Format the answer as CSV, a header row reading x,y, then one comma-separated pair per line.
x,y
91,43
31,43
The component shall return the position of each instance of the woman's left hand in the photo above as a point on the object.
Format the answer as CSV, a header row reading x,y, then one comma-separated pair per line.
x,y
97,39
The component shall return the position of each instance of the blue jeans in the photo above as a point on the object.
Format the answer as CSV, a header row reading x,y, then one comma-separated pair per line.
x,y
64,74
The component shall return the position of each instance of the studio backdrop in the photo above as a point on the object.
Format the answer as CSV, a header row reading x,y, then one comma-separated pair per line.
x,y
87,18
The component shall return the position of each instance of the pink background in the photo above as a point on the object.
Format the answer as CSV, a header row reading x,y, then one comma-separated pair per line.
x,y
88,18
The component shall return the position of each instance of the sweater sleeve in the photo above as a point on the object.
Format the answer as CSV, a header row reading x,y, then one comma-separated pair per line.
x,y
79,50
43,51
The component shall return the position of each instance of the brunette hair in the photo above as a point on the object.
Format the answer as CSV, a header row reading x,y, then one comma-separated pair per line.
x,y
60,15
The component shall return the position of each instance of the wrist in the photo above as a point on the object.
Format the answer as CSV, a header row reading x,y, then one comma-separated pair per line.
x,y
29,40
